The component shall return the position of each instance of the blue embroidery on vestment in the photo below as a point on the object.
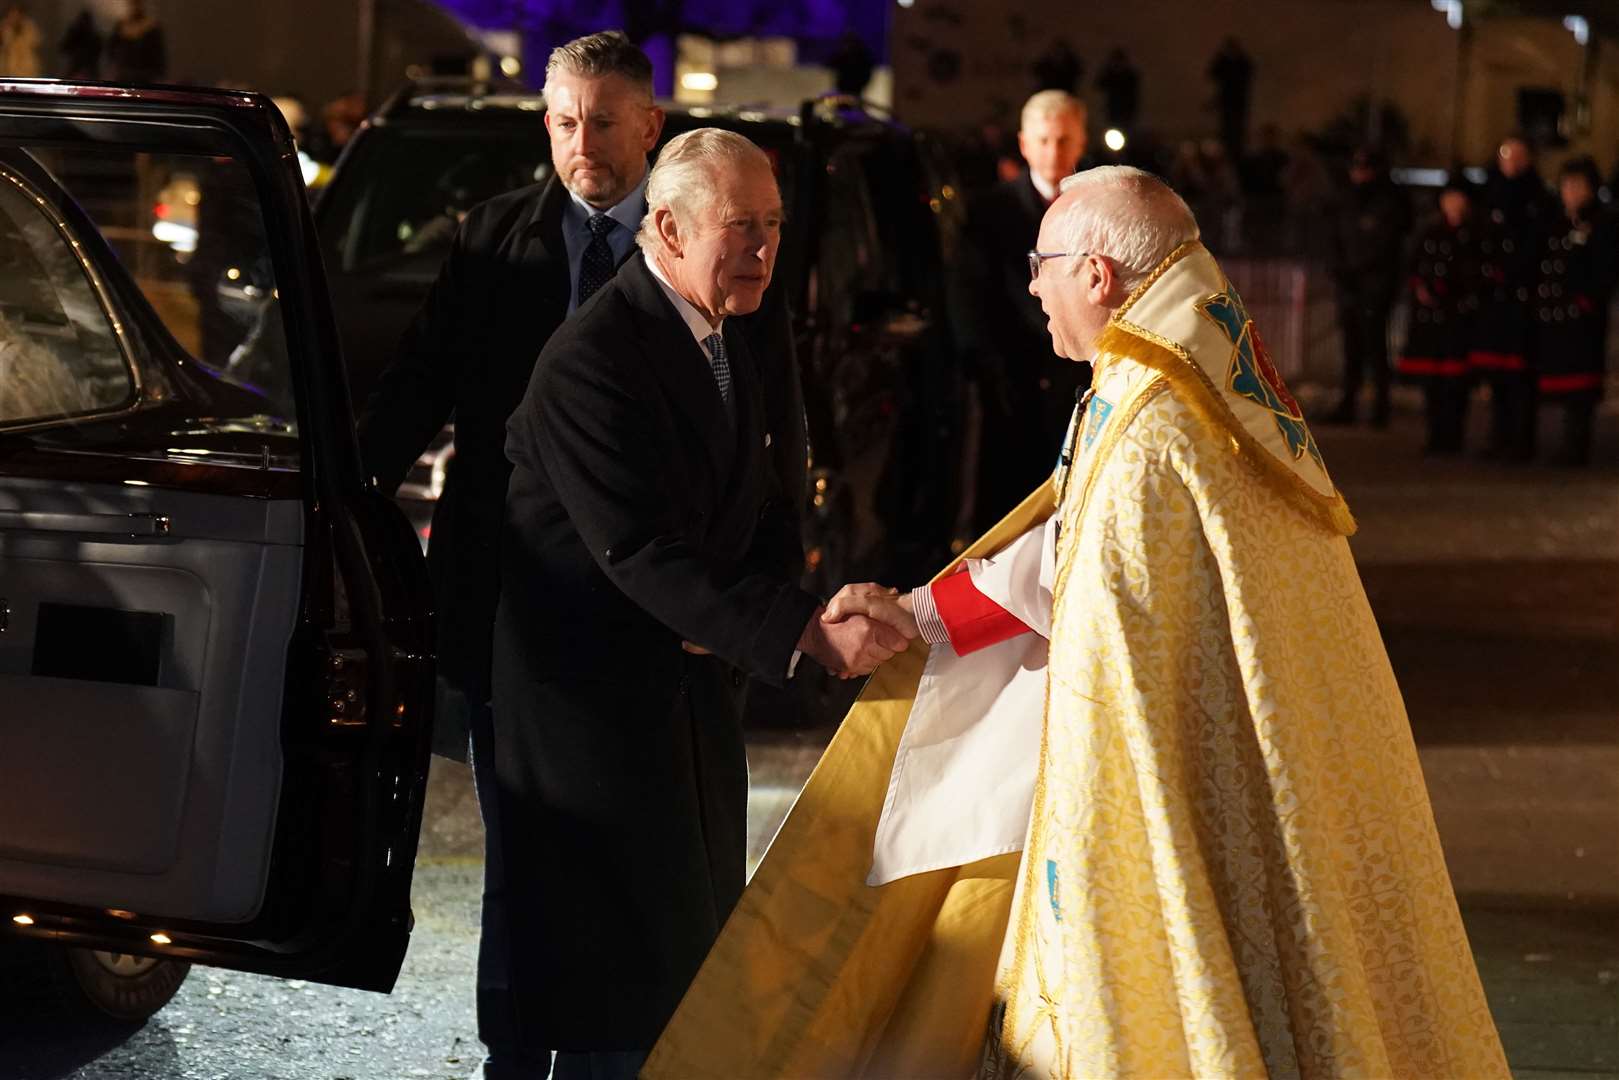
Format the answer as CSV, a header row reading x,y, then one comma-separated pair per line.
x,y
1253,376
1097,415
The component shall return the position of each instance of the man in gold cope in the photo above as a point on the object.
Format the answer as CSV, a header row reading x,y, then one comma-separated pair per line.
x,y
1148,804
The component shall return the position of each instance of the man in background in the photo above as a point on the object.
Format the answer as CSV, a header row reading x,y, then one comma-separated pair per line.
x,y
1370,232
1517,211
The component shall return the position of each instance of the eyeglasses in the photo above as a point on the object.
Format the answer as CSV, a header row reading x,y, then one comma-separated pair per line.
x,y
1038,257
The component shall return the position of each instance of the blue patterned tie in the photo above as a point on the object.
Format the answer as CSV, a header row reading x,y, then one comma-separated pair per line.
x,y
596,265
721,366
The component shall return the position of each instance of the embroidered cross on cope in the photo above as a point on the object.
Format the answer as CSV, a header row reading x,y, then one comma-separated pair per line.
x,y
722,366
596,264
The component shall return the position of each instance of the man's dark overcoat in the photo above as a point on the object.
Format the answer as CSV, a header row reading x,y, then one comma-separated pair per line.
x,y
642,511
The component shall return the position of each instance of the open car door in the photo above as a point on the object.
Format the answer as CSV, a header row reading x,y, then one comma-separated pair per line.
x,y
215,658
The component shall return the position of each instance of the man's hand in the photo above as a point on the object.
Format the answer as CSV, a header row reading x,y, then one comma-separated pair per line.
x,y
887,606
851,647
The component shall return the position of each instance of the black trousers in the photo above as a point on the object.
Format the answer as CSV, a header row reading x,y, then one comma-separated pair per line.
x,y
623,811
1514,403
1579,415
1446,401
1365,327
497,1025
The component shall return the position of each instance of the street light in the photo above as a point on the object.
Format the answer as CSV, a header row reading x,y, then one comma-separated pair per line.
x,y
1114,139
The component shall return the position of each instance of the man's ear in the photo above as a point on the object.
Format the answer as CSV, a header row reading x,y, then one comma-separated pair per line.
x,y
1099,279
654,128
663,219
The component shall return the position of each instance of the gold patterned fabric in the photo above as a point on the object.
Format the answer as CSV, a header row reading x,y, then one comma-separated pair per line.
x,y
816,974
1232,868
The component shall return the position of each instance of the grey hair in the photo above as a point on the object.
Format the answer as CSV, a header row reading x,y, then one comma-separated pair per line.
x,y
685,174
1050,103
1127,214
596,55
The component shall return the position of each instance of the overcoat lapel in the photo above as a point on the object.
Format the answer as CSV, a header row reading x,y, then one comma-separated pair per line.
x,y
680,365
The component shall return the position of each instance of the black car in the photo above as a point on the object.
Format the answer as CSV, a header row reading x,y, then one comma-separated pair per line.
x,y
216,665
872,223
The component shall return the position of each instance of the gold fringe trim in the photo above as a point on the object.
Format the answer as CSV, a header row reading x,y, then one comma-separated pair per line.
x,y
1188,248
1192,386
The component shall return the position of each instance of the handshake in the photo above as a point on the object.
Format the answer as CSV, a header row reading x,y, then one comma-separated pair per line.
x,y
859,628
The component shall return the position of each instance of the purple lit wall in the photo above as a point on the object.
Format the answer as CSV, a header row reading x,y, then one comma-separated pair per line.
x,y
816,25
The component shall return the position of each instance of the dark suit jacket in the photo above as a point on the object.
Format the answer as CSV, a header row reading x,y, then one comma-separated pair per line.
x,y
501,294
641,512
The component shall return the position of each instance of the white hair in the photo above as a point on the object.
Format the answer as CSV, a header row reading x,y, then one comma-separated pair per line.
x,y
1126,214
685,178
1051,103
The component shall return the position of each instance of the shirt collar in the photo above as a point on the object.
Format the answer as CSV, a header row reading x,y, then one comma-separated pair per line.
x,y
1047,192
628,211
695,321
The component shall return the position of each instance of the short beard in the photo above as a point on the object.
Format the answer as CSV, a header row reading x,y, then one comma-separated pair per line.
x,y
618,192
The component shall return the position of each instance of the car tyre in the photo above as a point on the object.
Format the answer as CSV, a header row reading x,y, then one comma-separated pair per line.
x,y
92,983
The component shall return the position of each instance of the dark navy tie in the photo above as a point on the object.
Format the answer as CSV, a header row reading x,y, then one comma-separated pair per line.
x,y
721,366
596,265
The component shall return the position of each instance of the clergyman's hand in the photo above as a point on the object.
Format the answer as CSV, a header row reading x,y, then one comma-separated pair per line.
x,y
887,606
850,648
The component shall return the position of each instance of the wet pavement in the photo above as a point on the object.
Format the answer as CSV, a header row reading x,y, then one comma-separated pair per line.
x,y
1497,589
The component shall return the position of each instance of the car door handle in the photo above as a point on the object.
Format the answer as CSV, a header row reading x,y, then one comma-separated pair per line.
x,y
139,525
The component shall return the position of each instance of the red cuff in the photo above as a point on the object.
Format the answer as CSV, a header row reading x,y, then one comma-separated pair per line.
x,y
973,619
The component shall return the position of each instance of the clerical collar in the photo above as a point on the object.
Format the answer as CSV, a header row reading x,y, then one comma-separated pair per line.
x,y
695,320
1047,191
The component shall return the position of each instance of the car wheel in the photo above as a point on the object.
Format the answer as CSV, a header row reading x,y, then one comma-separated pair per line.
x,y
92,982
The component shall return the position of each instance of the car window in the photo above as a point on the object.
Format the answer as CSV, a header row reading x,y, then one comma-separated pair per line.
x,y
138,281
59,355
404,196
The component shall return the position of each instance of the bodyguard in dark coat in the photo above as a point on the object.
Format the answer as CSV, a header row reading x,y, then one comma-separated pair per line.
x,y
514,272
1579,263
1444,303
1027,391
1370,229
648,565
1517,211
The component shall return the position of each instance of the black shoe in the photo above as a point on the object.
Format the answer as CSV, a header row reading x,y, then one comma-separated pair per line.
x,y
1343,414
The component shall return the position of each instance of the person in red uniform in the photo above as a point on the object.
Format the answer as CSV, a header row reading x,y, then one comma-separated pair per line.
x,y
1515,210
1579,263
1444,298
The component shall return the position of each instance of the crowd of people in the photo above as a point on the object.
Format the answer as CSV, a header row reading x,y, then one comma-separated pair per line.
x,y
1511,286
1508,286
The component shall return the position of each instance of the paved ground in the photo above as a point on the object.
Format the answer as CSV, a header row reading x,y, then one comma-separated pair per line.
x,y
1498,593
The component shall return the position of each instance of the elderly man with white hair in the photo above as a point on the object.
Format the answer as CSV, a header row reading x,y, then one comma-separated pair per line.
x,y
1148,805
649,564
